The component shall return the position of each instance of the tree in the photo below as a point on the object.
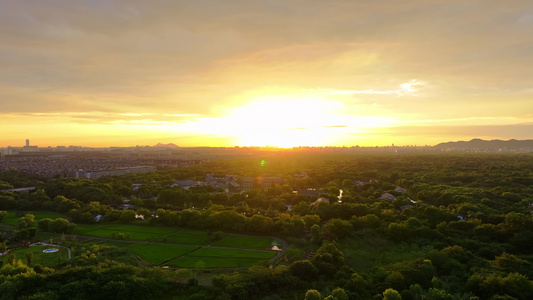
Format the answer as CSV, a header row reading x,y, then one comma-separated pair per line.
x,y
316,233
311,220
399,231
357,284
510,263
514,221
29,258
339,294
436,294
27,221
59,225
312,295
127,216
3,214
328,259
391,294
304,270
339,228
43,224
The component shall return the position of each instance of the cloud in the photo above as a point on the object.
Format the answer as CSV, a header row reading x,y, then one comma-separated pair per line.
x,y
410,87
103,118
196,58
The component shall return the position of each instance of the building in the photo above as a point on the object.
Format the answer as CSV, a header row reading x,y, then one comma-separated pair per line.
x,y
249,183
387,196
184,184
114,172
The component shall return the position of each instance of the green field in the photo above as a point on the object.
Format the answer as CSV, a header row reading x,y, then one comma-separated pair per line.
x,y
144,229
12,219
85,229
43,259
114,243
179,238
140,233
213,262
157,253
193,232
239,241
41,236
144,233
180,248
232,253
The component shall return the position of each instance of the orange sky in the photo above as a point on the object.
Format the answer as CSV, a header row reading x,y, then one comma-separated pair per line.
x,y
279,73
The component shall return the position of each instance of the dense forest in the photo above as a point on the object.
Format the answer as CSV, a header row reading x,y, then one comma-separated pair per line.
x,y
410,226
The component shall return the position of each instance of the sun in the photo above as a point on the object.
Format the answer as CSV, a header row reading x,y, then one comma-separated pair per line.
x,y
288,121
282,122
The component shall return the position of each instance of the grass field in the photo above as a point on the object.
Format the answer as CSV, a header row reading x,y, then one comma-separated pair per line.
x,y
232,253
181,248
245,242
12,219
140,233
86,229
115,243
144,229
41,236
179,238
193,232
157,253
144,233
184,256
43,259
214,262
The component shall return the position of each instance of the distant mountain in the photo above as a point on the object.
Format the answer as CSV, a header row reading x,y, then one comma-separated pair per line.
x,y
170,145
483,145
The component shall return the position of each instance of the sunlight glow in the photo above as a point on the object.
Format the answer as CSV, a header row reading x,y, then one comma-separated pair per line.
x,y
282,122
287,121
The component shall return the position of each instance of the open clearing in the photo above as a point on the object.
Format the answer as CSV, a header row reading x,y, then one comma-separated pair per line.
x,y
239,241
222,258
40,258
232,253
156,254
157,245
185,256
179,238
182,248
214,262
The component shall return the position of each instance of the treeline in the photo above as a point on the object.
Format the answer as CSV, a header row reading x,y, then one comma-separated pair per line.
x,y
105,279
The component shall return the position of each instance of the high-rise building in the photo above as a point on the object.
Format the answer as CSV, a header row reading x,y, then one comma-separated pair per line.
x,y
27,142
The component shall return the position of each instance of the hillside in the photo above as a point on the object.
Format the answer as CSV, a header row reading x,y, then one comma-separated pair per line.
x,y
484,145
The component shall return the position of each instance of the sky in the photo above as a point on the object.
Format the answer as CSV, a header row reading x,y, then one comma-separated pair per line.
x,y
255,73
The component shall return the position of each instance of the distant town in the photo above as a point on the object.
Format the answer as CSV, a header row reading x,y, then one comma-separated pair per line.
x,y
88,162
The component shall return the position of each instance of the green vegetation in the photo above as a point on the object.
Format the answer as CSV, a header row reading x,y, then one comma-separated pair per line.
x,y
231,253
41,258
157,254
214,262
179,238
415,226
13,217
245,242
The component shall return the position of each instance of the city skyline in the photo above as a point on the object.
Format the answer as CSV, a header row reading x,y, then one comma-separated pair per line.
x,y
299,73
